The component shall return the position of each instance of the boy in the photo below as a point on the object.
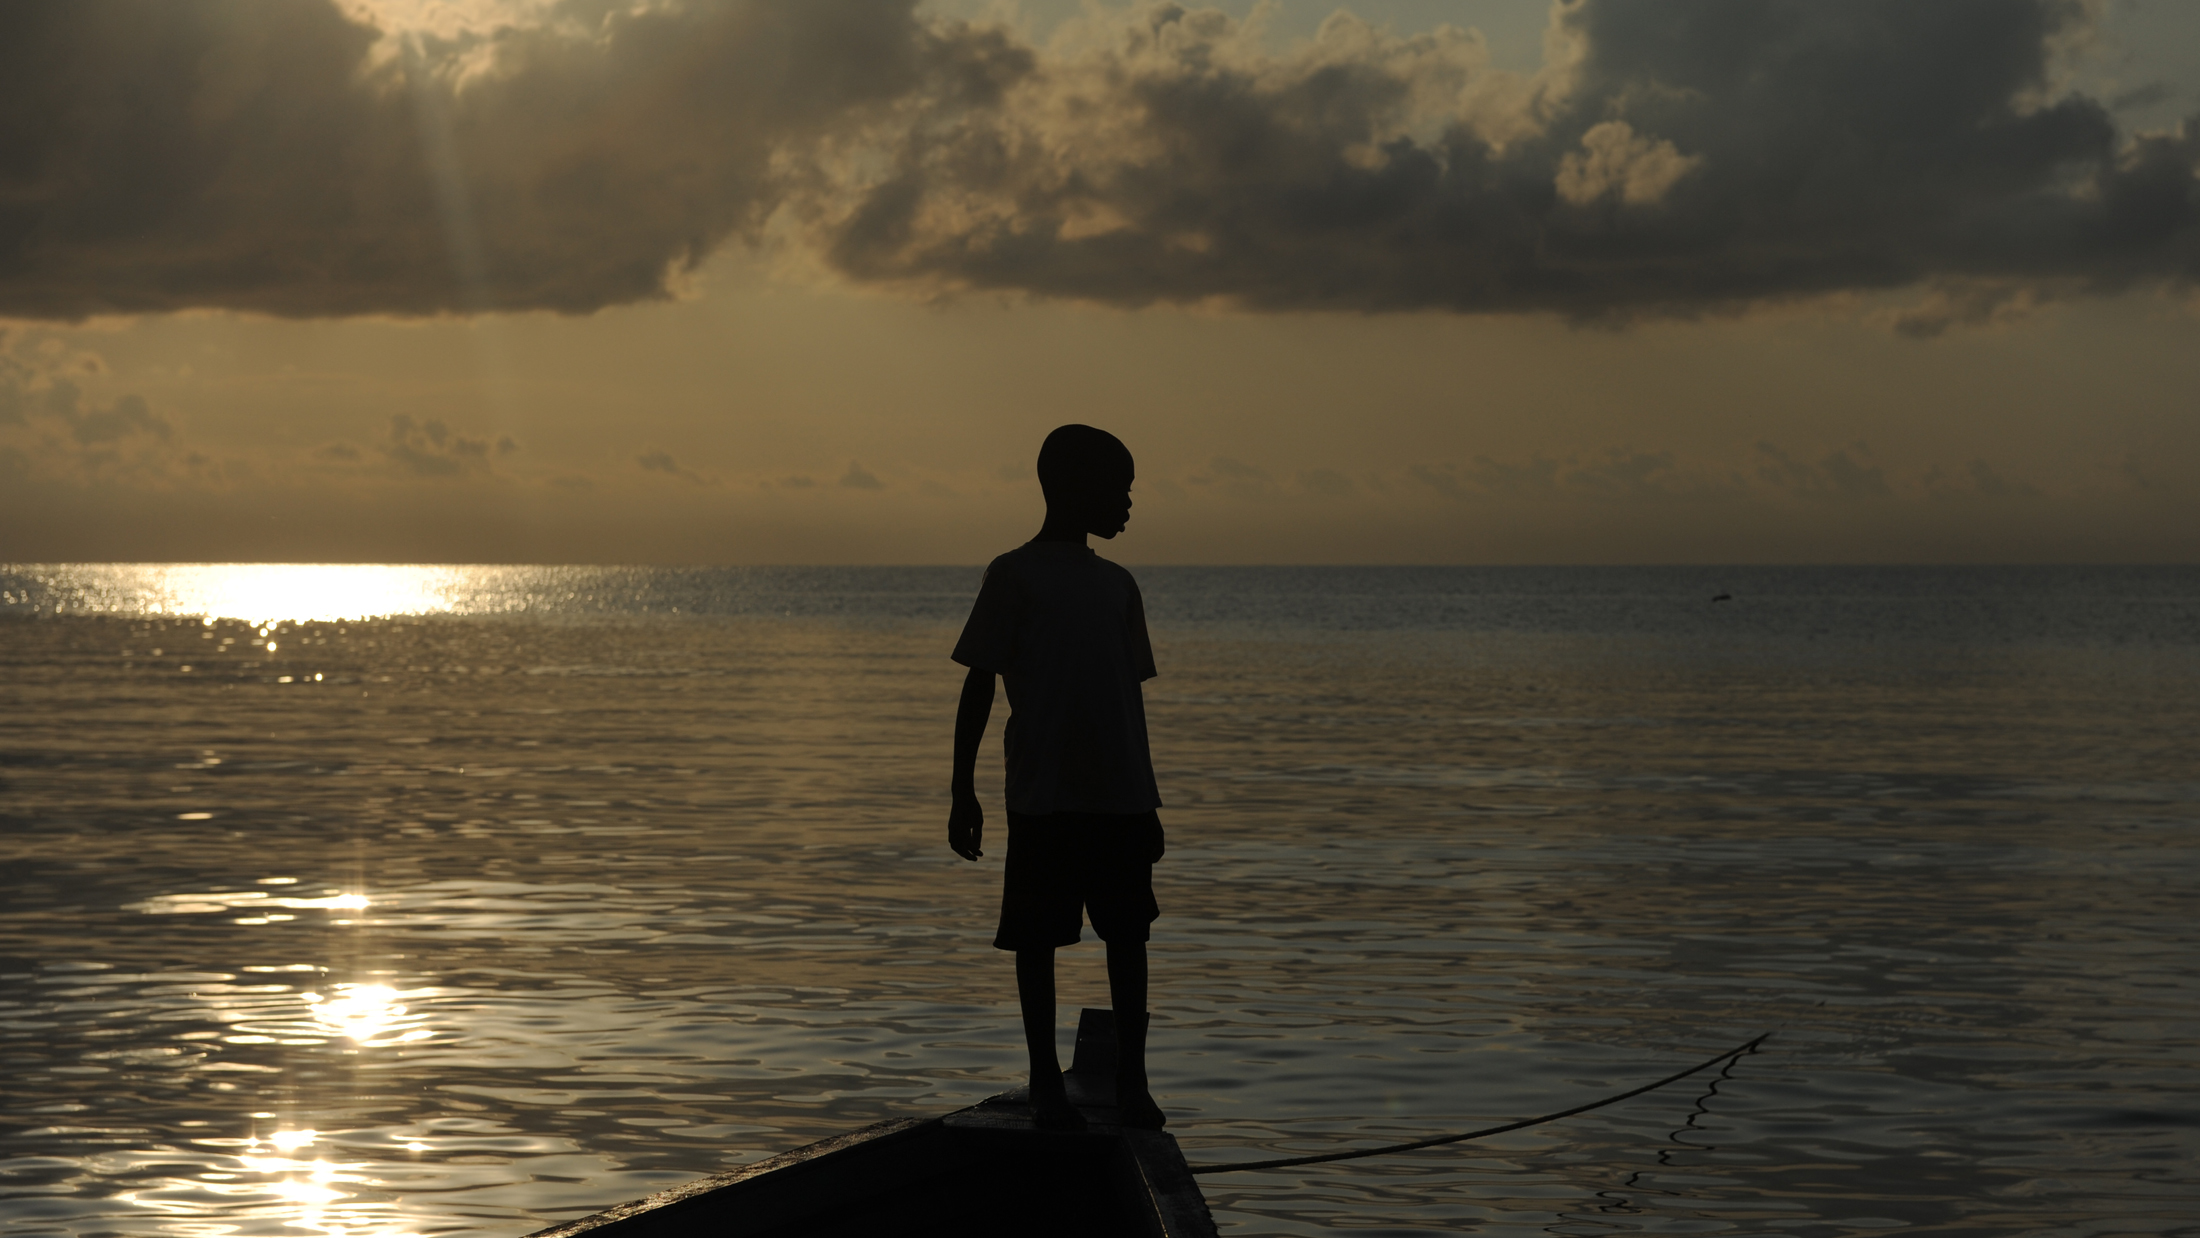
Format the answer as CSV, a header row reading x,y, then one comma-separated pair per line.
x,y
1066,630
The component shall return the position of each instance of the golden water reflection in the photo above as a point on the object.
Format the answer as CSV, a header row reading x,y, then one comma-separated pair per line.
x,y
283,1177
290,1173
260,906
370,1014
1427,880
263,593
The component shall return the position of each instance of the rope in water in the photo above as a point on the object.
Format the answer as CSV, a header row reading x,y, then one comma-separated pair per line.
x,y
1357,1153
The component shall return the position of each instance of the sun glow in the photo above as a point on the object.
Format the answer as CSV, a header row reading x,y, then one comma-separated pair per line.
x,y
264,594
308,1193
299,593
366,1013
446,19
297,1177
256,901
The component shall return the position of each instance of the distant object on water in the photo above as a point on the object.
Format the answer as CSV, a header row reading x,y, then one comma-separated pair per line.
x,y
974,1173
1723,597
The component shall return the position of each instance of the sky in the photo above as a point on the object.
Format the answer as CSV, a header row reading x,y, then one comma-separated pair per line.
x,y
806,281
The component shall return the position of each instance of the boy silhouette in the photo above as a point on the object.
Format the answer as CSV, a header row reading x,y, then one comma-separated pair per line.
x,y
1066,629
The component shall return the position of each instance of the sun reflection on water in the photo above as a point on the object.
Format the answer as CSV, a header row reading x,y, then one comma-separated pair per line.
x,y
289,1177
264,593
311,1163
259,902
305,1193
288,1173
367,1013
291,1141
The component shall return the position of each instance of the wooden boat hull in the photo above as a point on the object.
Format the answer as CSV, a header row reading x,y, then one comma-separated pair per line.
x,y
977,1172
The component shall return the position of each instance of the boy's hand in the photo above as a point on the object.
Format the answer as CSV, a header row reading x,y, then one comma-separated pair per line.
x,y
966,826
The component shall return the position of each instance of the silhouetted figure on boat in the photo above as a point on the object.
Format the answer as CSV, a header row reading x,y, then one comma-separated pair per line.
x,y
1066,629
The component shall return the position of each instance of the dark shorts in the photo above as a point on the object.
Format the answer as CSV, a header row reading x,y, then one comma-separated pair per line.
x,y
1066,865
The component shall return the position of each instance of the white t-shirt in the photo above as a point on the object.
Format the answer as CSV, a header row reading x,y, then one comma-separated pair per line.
x,y
1066,629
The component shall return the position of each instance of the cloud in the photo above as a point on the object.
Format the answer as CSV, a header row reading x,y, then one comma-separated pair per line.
x,y
1626,473
1443,481
53,429
1836,475
432,449
1629,474
50,428
1850,477
1617,473
1535,475
1671,159
1965,303
1234,470
2135,474
1977,480
1615,161
2141,96
856,478
662,462
1235,478
282,157
1691,156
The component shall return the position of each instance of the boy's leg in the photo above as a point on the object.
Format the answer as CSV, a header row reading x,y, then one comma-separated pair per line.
x,y
1035,993
1127,989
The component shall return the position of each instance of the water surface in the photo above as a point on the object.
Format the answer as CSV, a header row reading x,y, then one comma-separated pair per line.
x,y
489,897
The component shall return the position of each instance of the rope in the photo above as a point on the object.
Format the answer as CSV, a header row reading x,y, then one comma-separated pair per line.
x,y
1357,1153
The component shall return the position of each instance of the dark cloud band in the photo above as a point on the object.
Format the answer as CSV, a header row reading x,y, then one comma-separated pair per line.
x,y
1696,154
1674,158
276,156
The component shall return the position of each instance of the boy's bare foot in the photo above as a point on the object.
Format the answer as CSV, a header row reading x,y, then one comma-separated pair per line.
x,y
1051,1110
1134,1105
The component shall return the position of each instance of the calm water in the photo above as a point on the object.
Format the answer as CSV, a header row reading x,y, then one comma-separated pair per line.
x,y
547,888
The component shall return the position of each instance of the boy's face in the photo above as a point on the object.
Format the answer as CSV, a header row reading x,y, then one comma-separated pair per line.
x,y
1106,506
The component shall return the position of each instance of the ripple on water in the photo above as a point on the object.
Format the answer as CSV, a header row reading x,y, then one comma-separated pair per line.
x,y
266,970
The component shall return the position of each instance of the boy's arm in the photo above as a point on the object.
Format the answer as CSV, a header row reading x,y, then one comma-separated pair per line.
x,y
966,820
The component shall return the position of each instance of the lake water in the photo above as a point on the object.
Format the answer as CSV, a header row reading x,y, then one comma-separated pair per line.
x,y
383,901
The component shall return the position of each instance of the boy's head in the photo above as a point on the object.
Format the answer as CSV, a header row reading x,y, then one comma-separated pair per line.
x,y
1087,474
